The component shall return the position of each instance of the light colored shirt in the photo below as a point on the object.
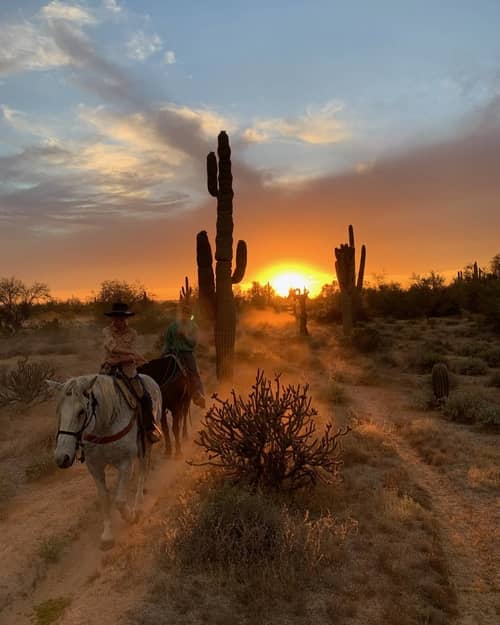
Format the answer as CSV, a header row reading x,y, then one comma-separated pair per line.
x,y
120,349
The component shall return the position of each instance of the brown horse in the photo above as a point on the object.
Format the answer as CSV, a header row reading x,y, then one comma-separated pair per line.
x,y
176,393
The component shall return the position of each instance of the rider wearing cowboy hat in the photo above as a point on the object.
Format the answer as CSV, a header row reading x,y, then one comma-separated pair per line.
x,y
121,357
181,339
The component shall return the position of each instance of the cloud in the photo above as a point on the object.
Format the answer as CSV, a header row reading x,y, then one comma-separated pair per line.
x,y
141,45
112,6
57,10
24,48
170,57
316,126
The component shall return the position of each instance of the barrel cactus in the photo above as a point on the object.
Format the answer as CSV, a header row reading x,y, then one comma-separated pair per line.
x,y
440,382
350,288
216,294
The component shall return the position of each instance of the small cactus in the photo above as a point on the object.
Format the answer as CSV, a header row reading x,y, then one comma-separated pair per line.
x,y
440,382
186,292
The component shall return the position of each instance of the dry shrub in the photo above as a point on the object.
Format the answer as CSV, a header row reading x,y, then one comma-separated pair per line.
x,y
469,366
25,383
268,440
228,528
472,406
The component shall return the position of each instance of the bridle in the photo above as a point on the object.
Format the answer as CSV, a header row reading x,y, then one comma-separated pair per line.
x,y
92,438
90,414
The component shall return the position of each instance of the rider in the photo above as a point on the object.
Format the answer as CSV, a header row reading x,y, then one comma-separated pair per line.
x,y
121,357
181,339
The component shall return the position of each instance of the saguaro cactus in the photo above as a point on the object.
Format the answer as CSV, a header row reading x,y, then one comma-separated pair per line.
x,y
440,382
216,295
301,297
186,292
350,289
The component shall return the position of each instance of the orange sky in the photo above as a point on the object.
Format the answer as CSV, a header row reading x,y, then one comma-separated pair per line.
x,y
434,207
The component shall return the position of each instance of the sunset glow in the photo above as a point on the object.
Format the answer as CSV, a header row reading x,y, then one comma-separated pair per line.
x,y
284,277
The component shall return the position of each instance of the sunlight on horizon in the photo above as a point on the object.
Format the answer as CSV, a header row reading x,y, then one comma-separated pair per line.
x,y
286,276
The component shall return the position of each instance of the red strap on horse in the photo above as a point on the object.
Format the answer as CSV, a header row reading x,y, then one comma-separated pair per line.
x,y
102,440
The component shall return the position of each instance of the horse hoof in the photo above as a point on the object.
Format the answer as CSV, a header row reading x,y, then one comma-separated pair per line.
x,y
106,545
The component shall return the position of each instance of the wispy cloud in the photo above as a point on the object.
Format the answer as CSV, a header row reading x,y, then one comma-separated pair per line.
x,y
143,45
23,47
170,57
112,6
316,126
57,10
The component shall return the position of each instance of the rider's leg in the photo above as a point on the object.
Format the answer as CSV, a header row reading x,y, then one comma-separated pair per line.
x,y
189,361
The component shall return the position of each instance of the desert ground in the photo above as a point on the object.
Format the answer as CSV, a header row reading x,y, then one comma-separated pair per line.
x,y
407,534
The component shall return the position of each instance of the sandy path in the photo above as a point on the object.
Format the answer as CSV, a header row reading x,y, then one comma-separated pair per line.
x,y
102,585
469,521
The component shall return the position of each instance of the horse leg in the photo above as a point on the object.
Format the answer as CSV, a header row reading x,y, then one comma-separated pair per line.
x,y
185,412
176,417
166,435
124,473
143,463
99,475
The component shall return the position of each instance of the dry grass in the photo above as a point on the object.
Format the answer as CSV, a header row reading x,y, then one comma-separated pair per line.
x,y
364,550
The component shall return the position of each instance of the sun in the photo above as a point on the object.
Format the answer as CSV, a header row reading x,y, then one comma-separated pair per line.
x,y
286,276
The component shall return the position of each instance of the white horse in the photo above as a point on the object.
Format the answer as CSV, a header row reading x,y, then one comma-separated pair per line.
x,y
94,415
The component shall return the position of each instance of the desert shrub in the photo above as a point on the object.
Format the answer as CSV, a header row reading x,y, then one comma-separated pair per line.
x,y
424,357
41,465
492,356
234,531
25,383
472,406
469,366
367,339
494,379
50,611
333,392
268,440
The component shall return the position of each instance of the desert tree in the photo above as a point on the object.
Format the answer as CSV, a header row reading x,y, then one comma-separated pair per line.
x,y
17,301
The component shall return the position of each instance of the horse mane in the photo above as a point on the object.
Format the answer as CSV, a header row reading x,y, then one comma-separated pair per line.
x,y
103,388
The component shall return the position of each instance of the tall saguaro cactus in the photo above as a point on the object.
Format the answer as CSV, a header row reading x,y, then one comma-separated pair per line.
x,y
350,289
216,295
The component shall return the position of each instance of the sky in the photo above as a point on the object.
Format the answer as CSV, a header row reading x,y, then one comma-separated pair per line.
x,y
384,115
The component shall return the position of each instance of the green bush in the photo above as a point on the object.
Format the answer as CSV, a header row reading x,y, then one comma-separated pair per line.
x,y
472,406
25,383
367,339
423,357
469,366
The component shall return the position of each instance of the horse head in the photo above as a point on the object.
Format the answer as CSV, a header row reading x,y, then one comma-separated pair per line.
x,y
74,411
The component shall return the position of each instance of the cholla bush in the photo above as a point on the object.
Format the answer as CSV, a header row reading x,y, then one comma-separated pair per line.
x,y
25,383
268,440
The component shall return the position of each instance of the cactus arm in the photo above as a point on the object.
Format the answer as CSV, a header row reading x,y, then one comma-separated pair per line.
x,y
351,236
212,175
206,280
241,262
361,273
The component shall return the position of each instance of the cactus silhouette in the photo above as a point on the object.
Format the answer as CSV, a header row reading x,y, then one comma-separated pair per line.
x,y
301,297
350,289
216,294
440,381
186,292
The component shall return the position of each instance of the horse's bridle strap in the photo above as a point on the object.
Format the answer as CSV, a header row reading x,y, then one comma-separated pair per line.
x,y
102,440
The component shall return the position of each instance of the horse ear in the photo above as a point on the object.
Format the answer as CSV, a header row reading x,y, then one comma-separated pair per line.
x,y
93,381
54,385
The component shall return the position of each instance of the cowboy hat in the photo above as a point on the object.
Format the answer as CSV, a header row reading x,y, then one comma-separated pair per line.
x,y
119,309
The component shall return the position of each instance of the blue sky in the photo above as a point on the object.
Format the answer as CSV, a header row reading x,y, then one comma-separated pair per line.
x,y
107,109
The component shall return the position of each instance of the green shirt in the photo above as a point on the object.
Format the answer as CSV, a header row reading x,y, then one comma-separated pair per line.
x,y
181,337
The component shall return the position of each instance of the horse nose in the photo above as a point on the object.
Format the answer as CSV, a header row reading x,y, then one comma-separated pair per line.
x,y
63,462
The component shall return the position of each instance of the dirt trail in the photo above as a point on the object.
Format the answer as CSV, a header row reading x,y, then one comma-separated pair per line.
x,y
102,586
469,521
